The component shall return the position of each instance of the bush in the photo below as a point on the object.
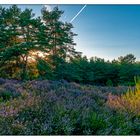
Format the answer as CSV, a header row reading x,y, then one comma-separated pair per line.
x,y
9,91
129,102
109,83
5,95
2,81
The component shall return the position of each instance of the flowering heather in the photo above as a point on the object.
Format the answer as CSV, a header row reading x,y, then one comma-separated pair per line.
x,y
2,81
62,108
12,108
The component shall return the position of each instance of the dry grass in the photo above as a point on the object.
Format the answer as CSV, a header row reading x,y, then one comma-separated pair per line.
x,y
129,102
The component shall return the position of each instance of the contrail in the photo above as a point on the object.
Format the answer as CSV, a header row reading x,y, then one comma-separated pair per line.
x,y
78,13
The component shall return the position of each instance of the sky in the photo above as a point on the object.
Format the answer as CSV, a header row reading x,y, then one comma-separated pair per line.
x,y
105,31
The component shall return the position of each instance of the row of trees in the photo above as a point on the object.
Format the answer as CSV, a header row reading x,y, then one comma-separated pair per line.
x,y
42,47
97,71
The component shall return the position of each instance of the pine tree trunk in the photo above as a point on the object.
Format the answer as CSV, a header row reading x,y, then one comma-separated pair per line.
x,y
24,67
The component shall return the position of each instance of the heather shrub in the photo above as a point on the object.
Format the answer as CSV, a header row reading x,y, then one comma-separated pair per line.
x,y
128,102
2,81
11,87
61,108
9,91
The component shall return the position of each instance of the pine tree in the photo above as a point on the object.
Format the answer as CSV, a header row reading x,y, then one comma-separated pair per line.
x,y
9,38
60,36
60,39
22,34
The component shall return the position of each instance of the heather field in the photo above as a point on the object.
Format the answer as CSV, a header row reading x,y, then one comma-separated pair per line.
x,y
62,108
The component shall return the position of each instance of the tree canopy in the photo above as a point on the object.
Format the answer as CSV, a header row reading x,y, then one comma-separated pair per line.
x,y
22,34
43,47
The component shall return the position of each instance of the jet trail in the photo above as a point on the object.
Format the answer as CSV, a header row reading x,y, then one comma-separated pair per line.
x,y
78,13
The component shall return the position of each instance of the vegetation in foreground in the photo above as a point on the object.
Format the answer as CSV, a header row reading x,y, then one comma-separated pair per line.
x,y
62,108
40,51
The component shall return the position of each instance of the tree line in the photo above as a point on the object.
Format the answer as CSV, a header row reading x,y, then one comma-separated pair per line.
x,y
42,47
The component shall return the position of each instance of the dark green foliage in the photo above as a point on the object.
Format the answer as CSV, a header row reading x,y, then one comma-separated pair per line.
x,y
44,69
5,95
97,71
23,36
43,47
109,83
128,59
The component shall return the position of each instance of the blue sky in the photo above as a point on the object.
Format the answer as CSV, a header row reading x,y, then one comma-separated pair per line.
x,y
106,31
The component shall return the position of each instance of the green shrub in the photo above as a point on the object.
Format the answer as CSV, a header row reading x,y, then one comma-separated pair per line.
x,y
93,123
109,83
5,95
